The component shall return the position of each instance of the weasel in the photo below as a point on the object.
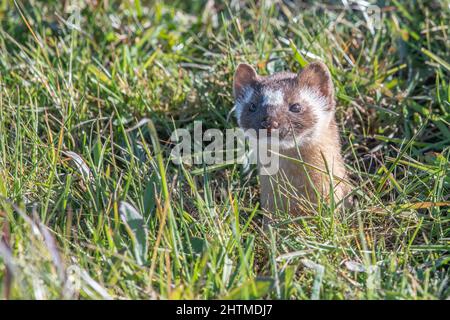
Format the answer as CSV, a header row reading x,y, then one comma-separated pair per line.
x,y
301,107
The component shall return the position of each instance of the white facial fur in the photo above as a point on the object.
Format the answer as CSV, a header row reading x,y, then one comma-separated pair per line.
x,y
320,108
242,101
273,97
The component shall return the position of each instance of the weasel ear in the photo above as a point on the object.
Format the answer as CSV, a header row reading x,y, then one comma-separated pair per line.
x,y
244,77
317,77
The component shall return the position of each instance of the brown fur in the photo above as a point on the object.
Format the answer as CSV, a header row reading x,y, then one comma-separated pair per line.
x,y
320,161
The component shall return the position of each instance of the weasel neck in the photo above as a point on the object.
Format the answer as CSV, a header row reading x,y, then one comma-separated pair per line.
x,y
324,150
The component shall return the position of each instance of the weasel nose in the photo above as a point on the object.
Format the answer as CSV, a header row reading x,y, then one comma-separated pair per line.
x,y
269,124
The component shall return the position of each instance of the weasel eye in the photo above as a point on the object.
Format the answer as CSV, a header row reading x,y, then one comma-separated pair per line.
x,y
252,107
296,108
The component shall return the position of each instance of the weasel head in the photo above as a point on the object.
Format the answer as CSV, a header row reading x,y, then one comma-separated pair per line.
x,y
297,107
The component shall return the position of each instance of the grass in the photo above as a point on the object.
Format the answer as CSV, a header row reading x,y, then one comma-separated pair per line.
x,y
92,207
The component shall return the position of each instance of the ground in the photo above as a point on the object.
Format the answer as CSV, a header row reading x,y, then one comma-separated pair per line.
x,y
92,207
